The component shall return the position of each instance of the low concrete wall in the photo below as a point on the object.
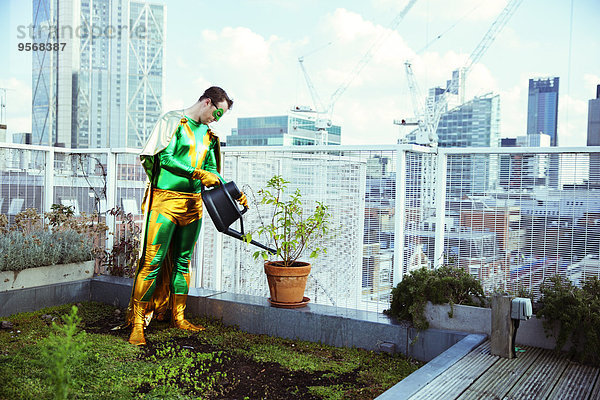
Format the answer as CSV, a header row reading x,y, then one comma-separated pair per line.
x,y
479,320
315,322
464,318
531,333
113,290
36,298
52,274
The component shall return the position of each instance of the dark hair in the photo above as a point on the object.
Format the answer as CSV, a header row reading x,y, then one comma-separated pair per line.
x,y
216,95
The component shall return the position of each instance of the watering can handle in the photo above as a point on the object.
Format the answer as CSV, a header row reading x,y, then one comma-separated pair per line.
x,y
242,212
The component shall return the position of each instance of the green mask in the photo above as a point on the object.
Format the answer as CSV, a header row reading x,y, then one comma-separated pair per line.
x,y
218,113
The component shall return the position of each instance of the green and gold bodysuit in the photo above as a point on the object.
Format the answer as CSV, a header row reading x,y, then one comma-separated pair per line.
x,y
174,215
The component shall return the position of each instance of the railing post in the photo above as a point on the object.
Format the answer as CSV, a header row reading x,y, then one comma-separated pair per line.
x,y
199,255
111,196
49,189
440,207
400,220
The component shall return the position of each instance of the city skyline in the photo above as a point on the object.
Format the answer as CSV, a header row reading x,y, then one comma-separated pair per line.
x,y
254,55
104,89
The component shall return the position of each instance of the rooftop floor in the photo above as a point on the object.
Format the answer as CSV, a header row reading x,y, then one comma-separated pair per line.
x,y
534,374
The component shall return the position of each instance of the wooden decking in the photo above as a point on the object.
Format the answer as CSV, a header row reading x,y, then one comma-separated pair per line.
x,y
534,374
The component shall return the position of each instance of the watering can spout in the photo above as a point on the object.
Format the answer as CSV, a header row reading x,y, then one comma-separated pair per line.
x,y
240,236
224,211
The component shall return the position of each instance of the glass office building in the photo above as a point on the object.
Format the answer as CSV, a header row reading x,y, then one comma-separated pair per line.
x,y
542,107
280,130
104,88
542,117
475,123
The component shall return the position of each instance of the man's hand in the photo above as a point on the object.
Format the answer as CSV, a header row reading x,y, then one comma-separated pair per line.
x,y
208,178
243,200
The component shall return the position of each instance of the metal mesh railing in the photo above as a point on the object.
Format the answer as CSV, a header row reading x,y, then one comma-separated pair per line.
x,y
515,219
510,217
347,275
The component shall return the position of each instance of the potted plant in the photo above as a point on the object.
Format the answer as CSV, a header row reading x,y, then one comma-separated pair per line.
x,y
293,231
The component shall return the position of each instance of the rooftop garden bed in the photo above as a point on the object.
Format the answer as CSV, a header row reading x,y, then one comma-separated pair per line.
x,y
64,353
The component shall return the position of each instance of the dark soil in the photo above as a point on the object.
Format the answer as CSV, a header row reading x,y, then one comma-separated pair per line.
x,y
245,379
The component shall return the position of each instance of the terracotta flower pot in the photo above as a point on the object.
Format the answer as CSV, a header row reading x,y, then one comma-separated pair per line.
x,y
287,284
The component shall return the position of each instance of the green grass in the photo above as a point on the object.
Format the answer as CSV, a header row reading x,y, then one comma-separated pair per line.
x,y
105,366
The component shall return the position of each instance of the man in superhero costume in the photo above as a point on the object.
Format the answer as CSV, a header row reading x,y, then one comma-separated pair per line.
x,y
181,156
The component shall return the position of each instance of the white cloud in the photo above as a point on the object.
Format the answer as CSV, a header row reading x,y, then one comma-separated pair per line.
x,y
572,121
513,112
263,76
591,80
253,69
348,26
367,62
181,63
511,39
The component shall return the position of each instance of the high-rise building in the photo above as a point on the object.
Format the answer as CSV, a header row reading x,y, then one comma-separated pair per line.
x,y
542,117
280,130
103,86
593,136
475,123
542,107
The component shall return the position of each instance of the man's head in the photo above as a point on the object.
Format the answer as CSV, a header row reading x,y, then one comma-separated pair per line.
x,y
215,103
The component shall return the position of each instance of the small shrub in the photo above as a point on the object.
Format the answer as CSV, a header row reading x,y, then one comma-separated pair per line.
x,y
75,247
62,218
66,238
577,313
62,350
4,225
28,221
293,229
123,257
443,285
19,251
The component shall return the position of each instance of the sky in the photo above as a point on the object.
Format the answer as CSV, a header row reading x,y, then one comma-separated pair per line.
x,y
251,49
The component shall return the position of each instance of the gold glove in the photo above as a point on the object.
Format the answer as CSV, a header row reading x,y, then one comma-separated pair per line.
x,y
243,200
208,178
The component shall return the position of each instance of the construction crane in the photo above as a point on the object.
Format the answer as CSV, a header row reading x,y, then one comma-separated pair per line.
x,y
325,112
322,123
428,116
424,114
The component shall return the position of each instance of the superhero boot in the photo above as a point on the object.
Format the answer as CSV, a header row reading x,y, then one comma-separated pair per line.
x,y
137,330
177,319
